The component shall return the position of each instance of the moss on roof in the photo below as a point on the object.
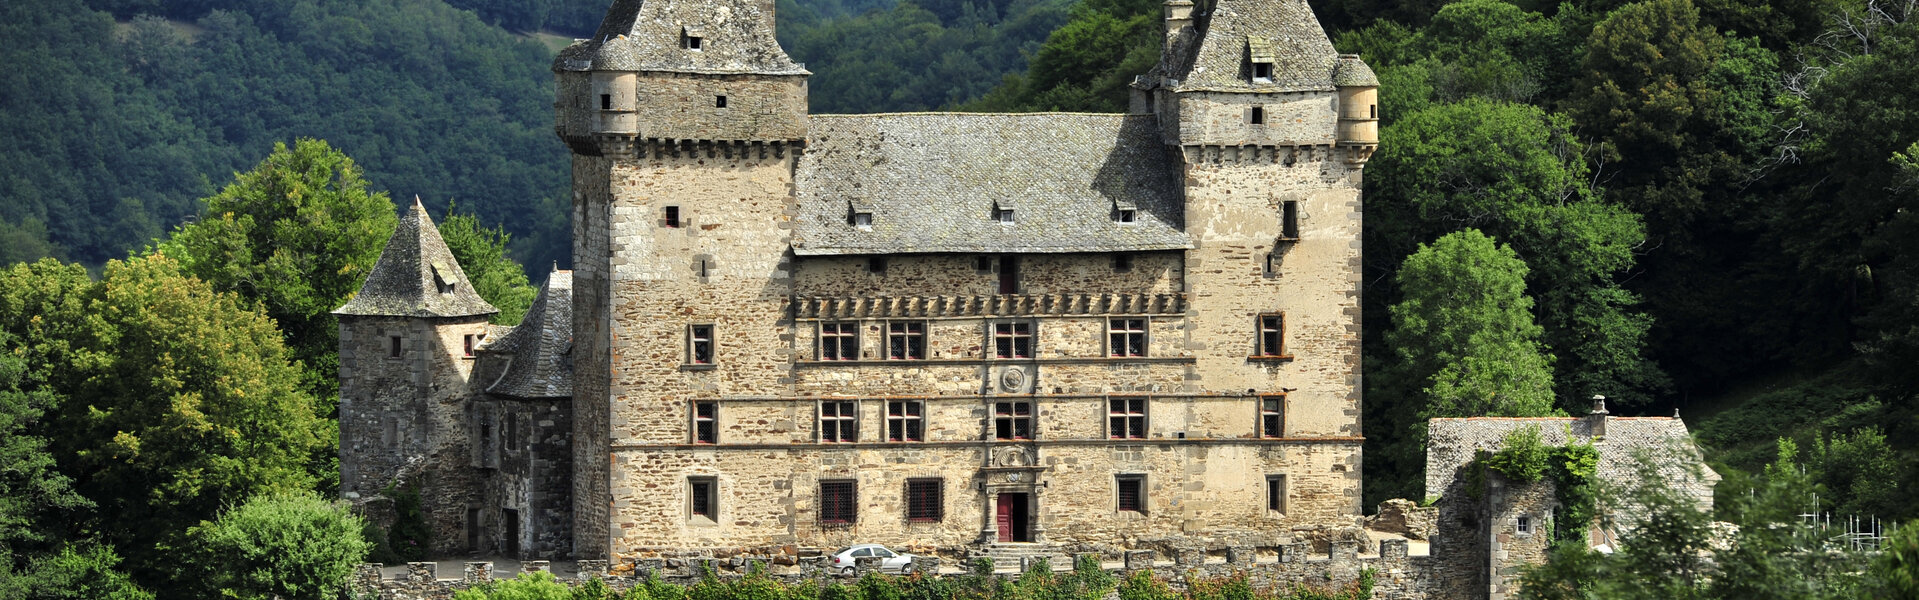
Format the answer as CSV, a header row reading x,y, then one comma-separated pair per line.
x,y
416,276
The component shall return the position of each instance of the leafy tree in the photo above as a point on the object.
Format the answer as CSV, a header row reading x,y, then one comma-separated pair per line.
x,y
295,546
482,254
175,399
1464,331
33,495
86,573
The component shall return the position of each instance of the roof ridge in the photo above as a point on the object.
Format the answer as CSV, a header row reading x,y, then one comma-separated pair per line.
x,y
416,276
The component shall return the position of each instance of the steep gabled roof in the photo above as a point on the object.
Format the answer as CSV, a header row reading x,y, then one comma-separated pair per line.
x,y
932,182
1218,53
736,36
539,358
1451,444
416,276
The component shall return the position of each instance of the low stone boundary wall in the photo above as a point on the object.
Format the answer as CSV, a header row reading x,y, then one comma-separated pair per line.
x,y
1397,576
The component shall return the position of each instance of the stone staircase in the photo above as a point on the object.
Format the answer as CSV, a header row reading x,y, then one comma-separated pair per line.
x,y
1014,556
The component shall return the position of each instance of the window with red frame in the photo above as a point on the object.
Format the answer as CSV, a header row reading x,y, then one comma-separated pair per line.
x,y
1126,418
923,500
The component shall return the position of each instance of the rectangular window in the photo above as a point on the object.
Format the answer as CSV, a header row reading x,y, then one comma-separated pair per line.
x,y
706,423
1003,215
839,501
1126,418
1263,71
512,443
1126,337
1272,335
983,264
1013,420
839,341
923,503
1272,416
393,347
1276,493
719,101
1128,215
606,102
1013,340
673,217
876,265
1009,275
1257,116
906,341
1131,493
702,499
863,220
904,421
468,344
839,422
699,344
691,42
1122,263
1289,220
1523,524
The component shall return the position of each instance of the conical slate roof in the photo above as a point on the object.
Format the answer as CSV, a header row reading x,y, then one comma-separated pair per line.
x,y
416,276
539,364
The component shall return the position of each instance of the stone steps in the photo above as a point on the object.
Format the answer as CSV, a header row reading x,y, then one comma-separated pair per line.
x,y
1016,555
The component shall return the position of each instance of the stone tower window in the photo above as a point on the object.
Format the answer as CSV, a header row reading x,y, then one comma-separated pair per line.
x,y
1524,524
699,344
672,219
839,422
1289,220
703,499
1256,116
839,501
606,102
1131,492
706,426
1126,337
923,500
393,347
1272,416
719,101
905,421
1126,418
1272,336
1276,493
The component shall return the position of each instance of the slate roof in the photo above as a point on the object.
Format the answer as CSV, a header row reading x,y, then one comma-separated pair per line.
x,y
1217,53
538,351
1353,72
646,35
1451,444
416,276
932,182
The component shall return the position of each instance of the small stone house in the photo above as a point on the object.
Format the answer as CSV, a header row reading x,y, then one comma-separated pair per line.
x,y
1484,538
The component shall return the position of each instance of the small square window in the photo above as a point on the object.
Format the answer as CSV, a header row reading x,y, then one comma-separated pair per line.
x,y
1003,215
1263,71
672,217
839,501
839,341
1013,340
1126,337
839,422
863,220
706,423
1013,420
923,500
1122,263
702,497
1524,524
1276,493
719,101
692,42
1131,492
1126,418
1128,215
905,421
1256,116
983,264
699,344
876,265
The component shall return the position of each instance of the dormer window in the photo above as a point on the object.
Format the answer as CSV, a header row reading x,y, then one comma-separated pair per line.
x,y
1127,215
1262,72
691,40
863,220
1003,215
1261,53
859,214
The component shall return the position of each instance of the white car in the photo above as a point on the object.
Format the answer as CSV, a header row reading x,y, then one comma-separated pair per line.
x,y
890,561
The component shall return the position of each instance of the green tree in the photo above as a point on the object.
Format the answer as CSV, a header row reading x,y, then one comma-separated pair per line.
x,y
295,546
482,254
1464,331
33,495
175,399
86,573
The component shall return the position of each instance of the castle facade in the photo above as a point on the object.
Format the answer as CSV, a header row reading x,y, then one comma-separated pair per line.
x,y
962,333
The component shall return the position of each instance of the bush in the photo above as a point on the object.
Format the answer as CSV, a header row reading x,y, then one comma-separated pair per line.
x,y
528,586
292,545
1142,585
410,537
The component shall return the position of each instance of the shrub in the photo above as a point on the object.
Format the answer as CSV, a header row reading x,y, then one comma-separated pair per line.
x,y
1142,585
294,546
528,586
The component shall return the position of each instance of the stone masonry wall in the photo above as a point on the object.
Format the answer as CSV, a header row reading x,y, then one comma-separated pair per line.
x,y
1507,502
1223,119
592,367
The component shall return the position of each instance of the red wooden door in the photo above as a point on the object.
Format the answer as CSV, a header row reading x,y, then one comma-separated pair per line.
x,y
1005,520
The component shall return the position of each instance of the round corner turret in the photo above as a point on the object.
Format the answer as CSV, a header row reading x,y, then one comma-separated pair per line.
x,y
1358,90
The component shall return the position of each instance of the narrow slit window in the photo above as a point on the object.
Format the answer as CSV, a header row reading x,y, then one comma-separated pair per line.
x,y
1013,420
706,427
672,217
606,102
1289,220
1257,116
839,501
1013,340
468,345
839,422
1272,416
1372,111
1131,491
906,341
905,421
1126,337
1126,418
839,341
1272,335
393,347
699,344
1276,493
923,500
1009,275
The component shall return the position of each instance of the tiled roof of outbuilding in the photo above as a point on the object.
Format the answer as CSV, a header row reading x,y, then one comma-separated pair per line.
x,y
416,276
1451,444
539,361
647,35
1220,55
932,182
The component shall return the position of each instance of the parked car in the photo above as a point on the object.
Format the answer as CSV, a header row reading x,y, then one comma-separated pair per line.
x,y
890,561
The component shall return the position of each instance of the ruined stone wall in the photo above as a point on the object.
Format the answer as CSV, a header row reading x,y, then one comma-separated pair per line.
x,y
1224,119
1510,547
405,419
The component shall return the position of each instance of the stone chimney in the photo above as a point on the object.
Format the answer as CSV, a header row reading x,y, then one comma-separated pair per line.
x,y
1179,14
1597,418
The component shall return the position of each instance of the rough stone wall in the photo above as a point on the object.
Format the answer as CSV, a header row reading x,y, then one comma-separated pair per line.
x,y
1509,548
1223,119
959,275
533,477
592,366
405,419
679,106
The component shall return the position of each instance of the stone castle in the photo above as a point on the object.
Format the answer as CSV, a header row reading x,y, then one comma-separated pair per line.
x,y
963,334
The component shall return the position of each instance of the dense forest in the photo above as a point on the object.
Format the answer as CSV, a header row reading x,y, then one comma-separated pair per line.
x,y
1702,206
